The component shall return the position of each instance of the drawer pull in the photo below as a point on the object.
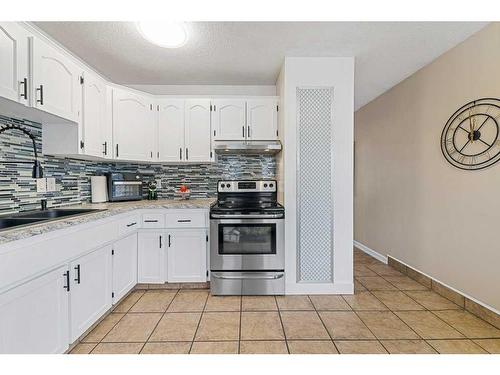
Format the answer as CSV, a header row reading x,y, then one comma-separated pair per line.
x,y
150,221
184,221
131,224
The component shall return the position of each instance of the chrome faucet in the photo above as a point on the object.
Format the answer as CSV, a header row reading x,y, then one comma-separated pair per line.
x,y
37,167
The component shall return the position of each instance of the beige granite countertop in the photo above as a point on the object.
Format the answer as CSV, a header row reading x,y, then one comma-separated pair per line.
x,y
111,209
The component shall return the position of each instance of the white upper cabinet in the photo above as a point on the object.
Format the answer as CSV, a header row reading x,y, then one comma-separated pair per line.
x,y
14,63
134,126
229,119
197,130
95,125
171,130
262,119
56,82
90,290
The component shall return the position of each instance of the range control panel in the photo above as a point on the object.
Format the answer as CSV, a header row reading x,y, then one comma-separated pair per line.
x,y
244,186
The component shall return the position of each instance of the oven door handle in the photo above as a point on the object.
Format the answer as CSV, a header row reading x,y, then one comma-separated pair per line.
x,y
274,216
247,276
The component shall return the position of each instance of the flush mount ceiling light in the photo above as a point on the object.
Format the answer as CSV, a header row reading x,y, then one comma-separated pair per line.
x,y
163,33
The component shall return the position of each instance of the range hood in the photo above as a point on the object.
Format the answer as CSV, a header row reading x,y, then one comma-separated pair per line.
x,y
247,147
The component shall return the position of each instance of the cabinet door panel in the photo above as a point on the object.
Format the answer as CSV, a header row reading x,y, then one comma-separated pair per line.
x,y
13,62
94,120
133,126
197,130
91,289
34,317
56,80
187,256
124,266
229,119
262,119
151,257
171,130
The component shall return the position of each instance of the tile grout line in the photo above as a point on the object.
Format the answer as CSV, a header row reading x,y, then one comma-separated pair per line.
x,y
282,325
324,326
159,320
239,333
199,322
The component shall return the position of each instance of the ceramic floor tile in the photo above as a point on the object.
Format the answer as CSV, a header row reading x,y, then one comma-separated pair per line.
x,y
456,347
176,327
428,325
133,328
261,326
263,347
329,302
431,300
405,283
386,325
396,300
223,303
218,326
303,325
311,347
214,347
83,348
360,347
384,270
294,303
362,270
103,328
490,345
258,303
125,305
166,348
154,301
118,348
189,301
345,325
468,324
407,347
364,301
375,283
358,287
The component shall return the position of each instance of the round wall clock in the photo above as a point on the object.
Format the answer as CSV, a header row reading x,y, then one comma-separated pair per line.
x,y
470,138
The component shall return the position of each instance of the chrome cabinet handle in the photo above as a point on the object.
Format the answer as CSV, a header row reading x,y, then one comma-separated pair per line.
x,y
40,89
247,276
24,94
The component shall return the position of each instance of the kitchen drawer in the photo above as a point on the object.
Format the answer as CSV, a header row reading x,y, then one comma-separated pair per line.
x,y
153,221
186,219
128,224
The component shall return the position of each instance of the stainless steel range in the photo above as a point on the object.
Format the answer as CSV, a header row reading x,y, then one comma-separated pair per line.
x,y
247,253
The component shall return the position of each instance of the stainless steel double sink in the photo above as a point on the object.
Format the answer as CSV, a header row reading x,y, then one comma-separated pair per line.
x,y
39,217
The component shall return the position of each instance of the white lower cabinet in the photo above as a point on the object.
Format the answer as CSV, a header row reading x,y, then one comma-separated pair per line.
x,y
151,257
187,255
90,294
34,317
124,266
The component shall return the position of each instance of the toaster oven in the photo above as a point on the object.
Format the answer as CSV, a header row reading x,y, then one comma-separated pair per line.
x,y
124,186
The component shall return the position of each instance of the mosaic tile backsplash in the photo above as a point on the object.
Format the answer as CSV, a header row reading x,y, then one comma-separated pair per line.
x,y
18,189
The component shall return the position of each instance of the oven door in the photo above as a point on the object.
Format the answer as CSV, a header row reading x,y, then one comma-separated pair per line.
x,y
247,244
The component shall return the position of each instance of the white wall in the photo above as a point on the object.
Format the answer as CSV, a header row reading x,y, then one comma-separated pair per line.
x,y
339,74
208,90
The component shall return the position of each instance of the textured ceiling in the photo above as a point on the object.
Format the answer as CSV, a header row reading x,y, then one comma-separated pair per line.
x,y
251,53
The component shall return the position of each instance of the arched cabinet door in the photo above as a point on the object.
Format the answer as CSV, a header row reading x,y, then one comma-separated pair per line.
x,y
133,127
94,118
14,82
197,130
229,119
56,82
171,130
262,119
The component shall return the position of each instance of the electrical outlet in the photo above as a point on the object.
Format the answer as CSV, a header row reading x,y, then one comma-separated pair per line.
x,y
41,185
51,184
158,183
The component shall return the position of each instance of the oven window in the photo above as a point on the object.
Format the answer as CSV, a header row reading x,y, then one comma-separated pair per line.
x,y
247,239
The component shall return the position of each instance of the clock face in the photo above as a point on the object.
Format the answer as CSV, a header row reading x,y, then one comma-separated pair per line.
x,y
470,138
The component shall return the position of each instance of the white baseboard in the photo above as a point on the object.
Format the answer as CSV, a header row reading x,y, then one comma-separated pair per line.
x,y
371,252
